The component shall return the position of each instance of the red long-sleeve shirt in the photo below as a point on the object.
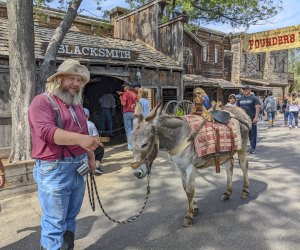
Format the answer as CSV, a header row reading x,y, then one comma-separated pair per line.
x,y
129,98
42,124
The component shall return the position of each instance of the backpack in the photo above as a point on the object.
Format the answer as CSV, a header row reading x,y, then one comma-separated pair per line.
x,y
271,104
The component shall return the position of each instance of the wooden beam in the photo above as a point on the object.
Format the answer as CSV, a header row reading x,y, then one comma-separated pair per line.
x,y
183,18
142,8
5,152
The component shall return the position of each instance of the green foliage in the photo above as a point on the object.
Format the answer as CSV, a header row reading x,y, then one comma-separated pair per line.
x,y
294,66
180,112
237,13
133,4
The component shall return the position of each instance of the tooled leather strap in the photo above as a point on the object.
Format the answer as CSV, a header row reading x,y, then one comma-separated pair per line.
x,y
232,140
217,159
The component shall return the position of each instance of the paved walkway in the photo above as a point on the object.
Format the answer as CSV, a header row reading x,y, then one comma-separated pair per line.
x,y
268,220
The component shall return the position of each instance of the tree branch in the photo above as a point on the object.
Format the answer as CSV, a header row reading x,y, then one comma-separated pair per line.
x,y
49,64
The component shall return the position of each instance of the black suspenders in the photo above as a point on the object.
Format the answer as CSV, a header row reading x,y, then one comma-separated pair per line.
x,y
58,122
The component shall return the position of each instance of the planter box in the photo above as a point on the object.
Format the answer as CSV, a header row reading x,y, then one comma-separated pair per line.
x,y
18,176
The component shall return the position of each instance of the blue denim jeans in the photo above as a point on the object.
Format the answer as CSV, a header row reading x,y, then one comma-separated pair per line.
x,y
293,115
60,191
106,120
128,124
97,119
286,116
253,136
271,115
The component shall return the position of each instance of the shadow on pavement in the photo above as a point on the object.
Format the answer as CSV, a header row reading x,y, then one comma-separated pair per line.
x,y
32,241
153,229
210,203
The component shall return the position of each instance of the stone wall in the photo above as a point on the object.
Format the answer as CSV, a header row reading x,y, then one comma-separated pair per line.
x,y
249,64
274,65
236,60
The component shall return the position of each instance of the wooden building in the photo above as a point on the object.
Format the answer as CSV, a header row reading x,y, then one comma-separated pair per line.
x,y
209,65
263,71
111,62
204,54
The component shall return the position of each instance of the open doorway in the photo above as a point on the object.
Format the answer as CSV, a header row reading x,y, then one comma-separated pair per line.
x,y
98,86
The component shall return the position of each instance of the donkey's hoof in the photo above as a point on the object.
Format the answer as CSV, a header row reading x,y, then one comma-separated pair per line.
x,y
188,221
196,210
245,194
225,197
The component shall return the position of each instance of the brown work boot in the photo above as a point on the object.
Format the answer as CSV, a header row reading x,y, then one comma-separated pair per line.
x,y
68,241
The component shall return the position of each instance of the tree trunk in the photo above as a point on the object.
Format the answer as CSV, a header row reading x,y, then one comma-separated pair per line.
x,y
48,66
22,73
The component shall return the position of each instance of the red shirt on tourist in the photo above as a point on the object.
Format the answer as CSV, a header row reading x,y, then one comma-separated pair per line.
x,y
128,98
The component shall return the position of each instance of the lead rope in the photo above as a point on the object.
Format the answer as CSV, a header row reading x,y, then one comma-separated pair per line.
x,y
93,186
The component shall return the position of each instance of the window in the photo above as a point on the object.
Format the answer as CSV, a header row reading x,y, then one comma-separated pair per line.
x,y
169,94
259,63
279,65
152,96
205,53
283,65
217,53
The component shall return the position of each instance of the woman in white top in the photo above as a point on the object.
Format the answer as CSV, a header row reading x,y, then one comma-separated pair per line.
x,y
293,107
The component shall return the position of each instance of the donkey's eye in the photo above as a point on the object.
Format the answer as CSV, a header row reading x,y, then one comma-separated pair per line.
x,y
144,145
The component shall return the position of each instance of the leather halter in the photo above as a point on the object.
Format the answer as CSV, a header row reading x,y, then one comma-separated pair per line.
x,y
137,164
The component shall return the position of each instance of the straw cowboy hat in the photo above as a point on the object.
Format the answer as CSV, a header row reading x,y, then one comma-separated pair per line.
x,y
72,67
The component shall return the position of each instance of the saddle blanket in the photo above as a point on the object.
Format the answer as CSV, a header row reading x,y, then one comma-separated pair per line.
x,y
205,140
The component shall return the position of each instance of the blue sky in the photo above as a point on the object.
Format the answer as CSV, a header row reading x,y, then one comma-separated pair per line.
x,y
289,16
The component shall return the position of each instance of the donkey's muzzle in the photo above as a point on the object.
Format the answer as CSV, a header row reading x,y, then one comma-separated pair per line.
x,y
141,171
138,174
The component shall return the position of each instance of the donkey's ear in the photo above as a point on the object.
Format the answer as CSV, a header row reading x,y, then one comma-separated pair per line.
x,y
138,115
155,113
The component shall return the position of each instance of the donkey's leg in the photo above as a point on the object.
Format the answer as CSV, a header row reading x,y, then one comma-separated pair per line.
x,y
244,165
229,172
188,183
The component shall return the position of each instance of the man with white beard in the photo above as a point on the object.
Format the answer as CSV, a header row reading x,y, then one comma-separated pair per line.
x,y
61,145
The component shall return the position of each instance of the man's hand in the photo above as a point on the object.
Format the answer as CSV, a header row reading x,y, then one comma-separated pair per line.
x,y
90,143
92,161
255,120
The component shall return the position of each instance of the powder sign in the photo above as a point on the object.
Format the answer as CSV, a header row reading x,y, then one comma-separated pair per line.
x,y
80,51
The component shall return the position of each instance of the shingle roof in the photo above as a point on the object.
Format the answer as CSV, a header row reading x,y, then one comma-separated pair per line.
x,y
195,80
148,56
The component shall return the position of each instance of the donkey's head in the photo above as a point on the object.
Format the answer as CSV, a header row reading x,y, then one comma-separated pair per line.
x,y
144,140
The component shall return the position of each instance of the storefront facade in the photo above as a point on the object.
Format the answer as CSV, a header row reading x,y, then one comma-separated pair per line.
x,y
111,62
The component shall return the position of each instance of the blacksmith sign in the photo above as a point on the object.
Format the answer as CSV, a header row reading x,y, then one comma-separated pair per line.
x,y
279,39
84,51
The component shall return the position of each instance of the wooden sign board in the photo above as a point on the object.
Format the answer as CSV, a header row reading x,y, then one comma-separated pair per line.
x,y
85,51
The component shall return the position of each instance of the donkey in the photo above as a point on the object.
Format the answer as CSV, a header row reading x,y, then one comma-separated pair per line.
x,y
164,132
